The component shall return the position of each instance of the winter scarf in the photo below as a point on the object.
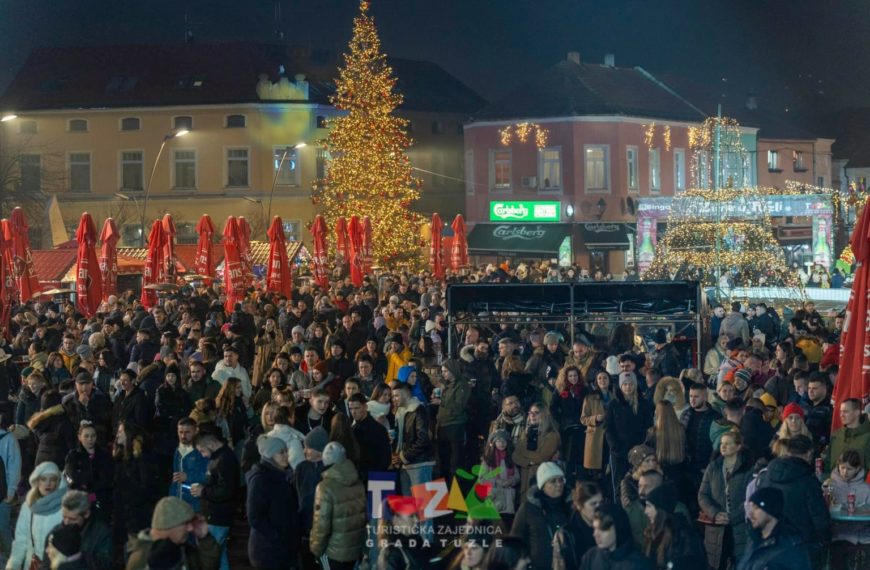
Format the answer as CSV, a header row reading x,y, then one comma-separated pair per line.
x,y
50,503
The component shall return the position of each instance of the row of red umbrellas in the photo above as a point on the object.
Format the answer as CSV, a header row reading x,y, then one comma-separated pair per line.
x,y
458,248
353,247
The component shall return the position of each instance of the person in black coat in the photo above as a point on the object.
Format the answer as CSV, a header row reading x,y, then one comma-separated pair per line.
x,y
220,491
566,408
373,439
757,433
131,405
544,511
273,542
89,468
615,548
576,537
29,397
626,421
172,403
53,430
669,540
88,404
136,485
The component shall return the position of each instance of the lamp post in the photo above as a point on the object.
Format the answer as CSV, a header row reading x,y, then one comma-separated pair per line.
x,y
260,202
166,139
287,151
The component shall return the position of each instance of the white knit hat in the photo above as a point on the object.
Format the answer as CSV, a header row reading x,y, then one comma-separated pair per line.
x,y
612,365
333,454
547,471
627,378
44,469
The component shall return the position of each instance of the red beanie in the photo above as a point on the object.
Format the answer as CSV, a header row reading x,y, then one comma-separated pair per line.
x,y
792,408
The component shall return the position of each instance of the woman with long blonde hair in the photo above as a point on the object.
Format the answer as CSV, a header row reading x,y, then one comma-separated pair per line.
x,y
668,437
231,412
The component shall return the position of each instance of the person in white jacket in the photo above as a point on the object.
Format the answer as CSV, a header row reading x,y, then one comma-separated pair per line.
x,y
40,513
291,437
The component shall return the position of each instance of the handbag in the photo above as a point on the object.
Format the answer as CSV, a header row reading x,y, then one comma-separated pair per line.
x,y
35,561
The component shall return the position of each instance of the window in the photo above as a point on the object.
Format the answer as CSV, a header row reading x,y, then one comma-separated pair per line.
x,y
130,124
500,169
183,122
236,121
655,171
597,171
78,125
799,164
821,182
773,160
26,127
437,127
131,233
550,169
679,170
469,172
237,167
322,162
631,168
185,233
292,230
184,168
132,170
320,122
289,174
80,172
31,173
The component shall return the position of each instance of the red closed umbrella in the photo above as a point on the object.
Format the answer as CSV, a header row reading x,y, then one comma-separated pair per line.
x,y
853,380
25,274
9,254
368,248
342,247
7,283
151,274
459,246
89,281
355,240
436,255
278,275
109,238
204,262
245,247
318,232
234,274
169,258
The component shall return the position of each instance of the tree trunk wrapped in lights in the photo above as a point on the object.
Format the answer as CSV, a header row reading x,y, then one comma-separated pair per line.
x,y
369,173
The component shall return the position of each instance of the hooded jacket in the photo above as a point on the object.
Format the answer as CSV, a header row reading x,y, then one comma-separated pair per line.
x,y
56,435
274,535
339,527
454,401
35,523
536,523
805,507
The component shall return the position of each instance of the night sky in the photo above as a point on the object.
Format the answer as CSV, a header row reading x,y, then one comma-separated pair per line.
x,y
777,48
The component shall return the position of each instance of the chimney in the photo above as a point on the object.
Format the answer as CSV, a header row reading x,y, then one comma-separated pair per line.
x,y
574,57
609,60
751,101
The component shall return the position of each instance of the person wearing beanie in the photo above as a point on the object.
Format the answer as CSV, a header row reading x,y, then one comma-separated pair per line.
x,y
665,356
172,403
792,425
497,454
339,364
338,530
626,422
546,360
452,417
772,543
641,458
615,549
544,510
174,521
40,513
273,541
669,540
64,548
793,474
306,476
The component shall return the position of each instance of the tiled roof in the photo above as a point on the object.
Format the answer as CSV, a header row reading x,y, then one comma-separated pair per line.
x,y
52,264
201,74
260,251
570,89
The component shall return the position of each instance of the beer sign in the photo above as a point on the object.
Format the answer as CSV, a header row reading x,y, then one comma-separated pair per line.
x,y
524,211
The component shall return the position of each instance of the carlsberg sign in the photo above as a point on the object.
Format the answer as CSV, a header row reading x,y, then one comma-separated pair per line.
x,y
524,211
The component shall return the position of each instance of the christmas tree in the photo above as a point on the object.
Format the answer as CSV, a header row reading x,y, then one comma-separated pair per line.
x,y
369,173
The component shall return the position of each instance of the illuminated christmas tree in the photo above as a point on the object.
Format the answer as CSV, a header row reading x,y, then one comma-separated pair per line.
x,y
369,173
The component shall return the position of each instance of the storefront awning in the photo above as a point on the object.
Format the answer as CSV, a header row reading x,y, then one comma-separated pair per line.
x,y
509,239
606,235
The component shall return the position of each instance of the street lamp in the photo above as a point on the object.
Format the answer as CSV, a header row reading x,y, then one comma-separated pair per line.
x,y
169,136
287,151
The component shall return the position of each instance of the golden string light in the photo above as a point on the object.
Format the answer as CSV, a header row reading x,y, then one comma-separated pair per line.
x,y
369,171
522,131
649,133
666,135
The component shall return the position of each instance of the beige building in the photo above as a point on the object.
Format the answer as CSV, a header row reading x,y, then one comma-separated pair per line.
x,y
213,123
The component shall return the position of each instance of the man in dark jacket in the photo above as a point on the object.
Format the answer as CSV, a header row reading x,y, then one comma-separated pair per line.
x,y
412,448
666,359
763,323
306,476
819,410
218,494
131,404
373,439
697,419
87,404
201,386
478,367
615,548
338,363
97,549
452,418
143,349
805,507
757,433
772,544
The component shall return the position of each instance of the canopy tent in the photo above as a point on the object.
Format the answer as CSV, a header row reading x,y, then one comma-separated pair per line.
x,y
540,240
601,236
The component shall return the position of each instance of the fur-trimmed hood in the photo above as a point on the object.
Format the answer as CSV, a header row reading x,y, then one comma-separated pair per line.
x,y
40,417
467,353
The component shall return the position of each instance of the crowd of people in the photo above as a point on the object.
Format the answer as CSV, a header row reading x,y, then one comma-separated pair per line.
x,y
139,438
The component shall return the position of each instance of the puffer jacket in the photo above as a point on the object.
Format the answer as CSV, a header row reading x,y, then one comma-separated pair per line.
x,y
339,527
537,521
805,507
55,433
853,532
719,495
